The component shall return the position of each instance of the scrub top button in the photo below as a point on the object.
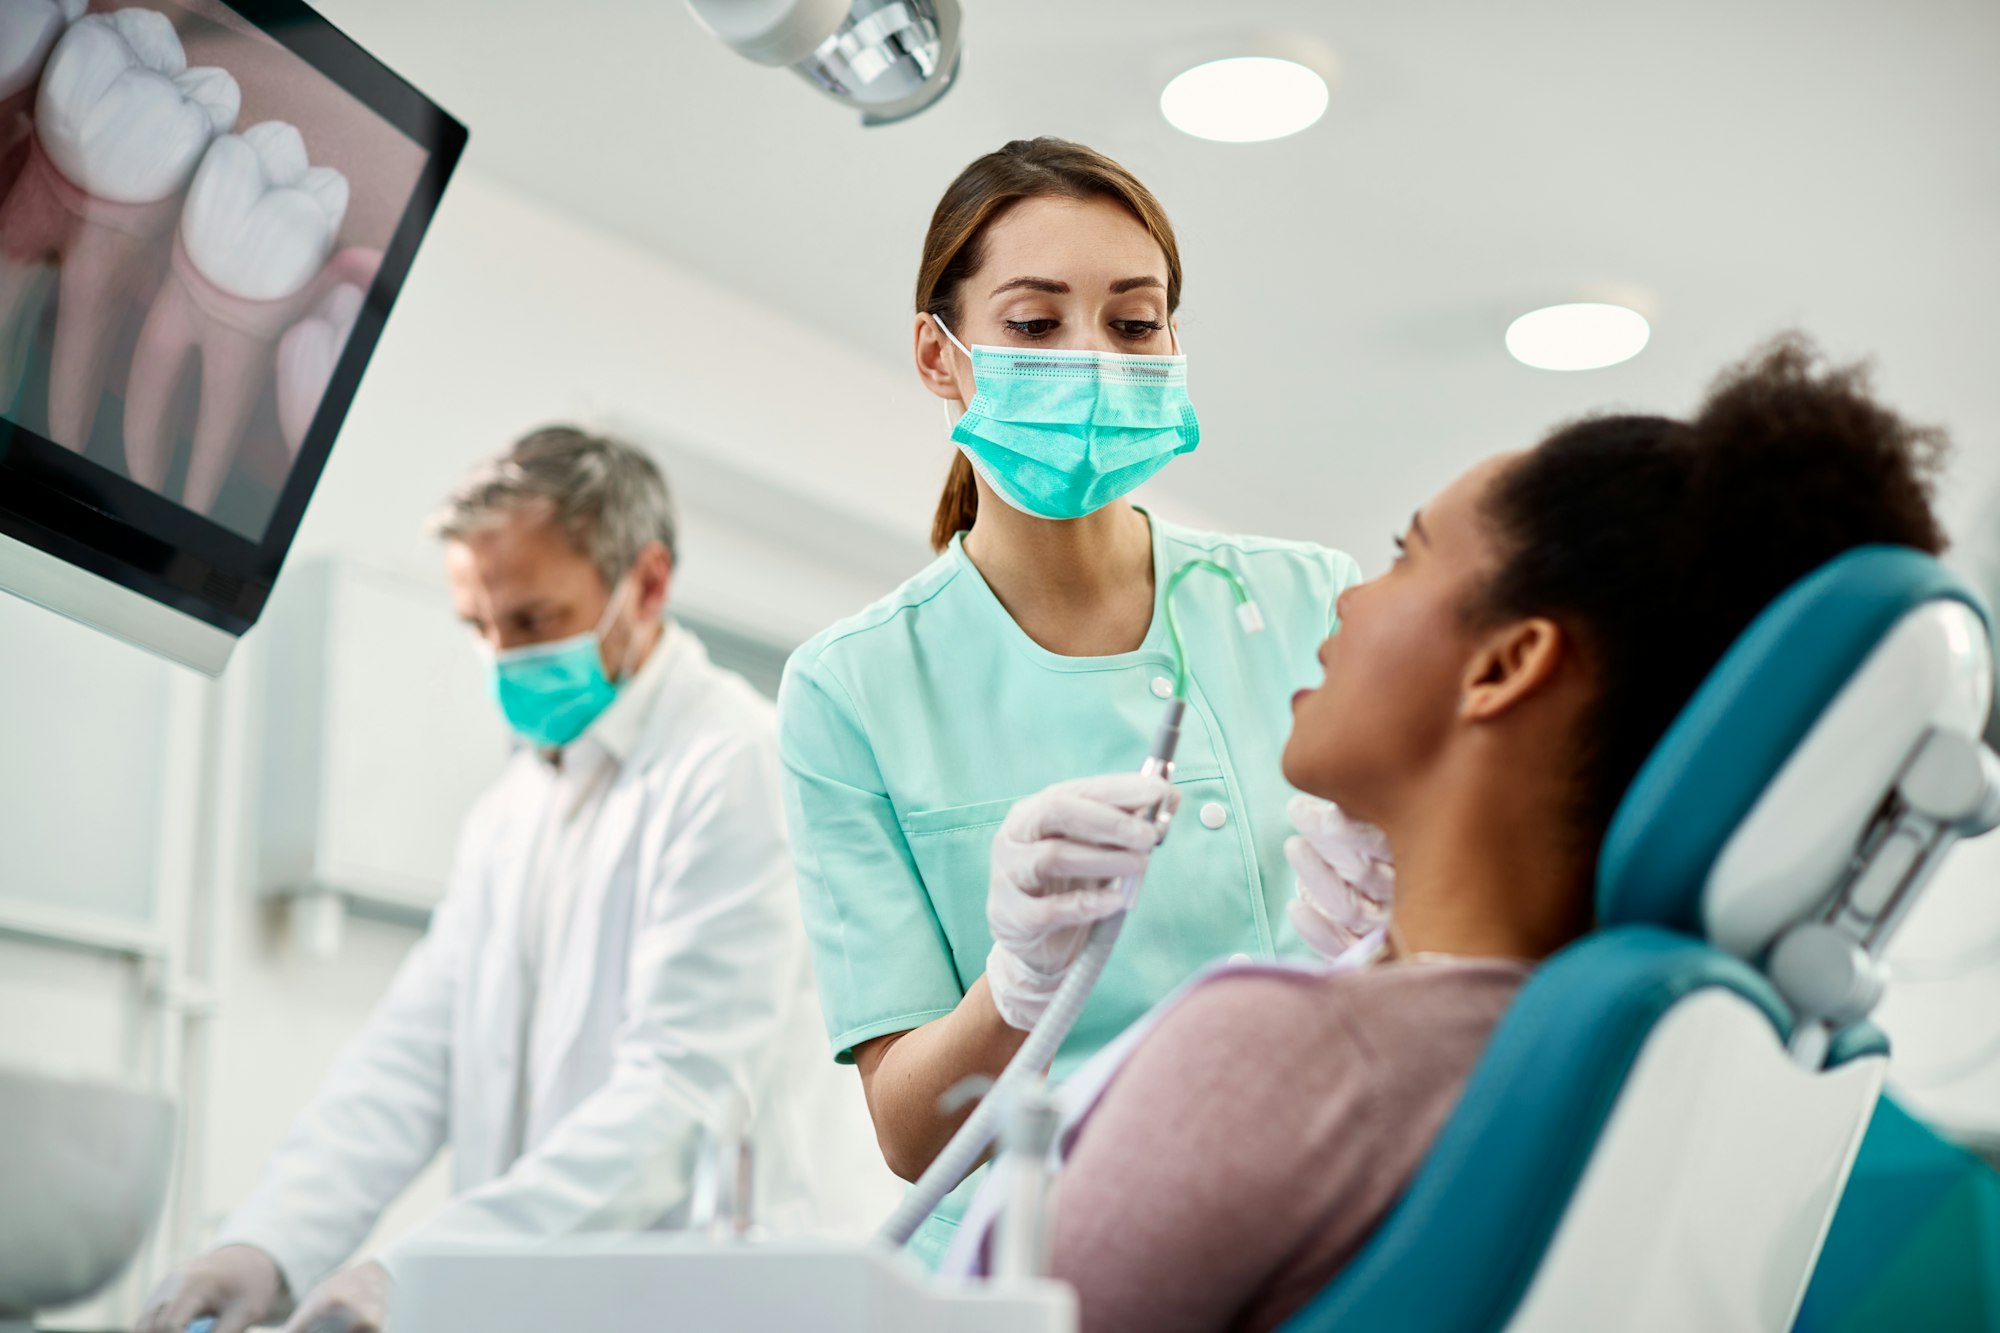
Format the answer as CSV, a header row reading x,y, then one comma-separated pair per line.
x,y
1162,687
1214,815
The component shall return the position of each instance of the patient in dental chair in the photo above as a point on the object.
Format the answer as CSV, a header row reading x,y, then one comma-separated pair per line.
x,y
1486,703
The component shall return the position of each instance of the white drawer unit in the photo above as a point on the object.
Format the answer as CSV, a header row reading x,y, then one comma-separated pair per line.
x,y
378,737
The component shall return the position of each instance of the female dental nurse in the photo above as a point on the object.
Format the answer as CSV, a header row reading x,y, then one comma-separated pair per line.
x,y
937,739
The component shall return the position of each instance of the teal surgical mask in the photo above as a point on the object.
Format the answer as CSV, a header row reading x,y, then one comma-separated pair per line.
x,y
1061,434
550,692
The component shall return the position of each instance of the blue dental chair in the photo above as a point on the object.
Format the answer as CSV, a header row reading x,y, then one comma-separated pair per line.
x,y
1660,1131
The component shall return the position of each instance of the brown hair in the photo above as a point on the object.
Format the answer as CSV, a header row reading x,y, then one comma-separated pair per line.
x,y
954,249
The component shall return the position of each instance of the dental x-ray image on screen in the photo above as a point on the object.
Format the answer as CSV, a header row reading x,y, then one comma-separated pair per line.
x,y
203,210
192,221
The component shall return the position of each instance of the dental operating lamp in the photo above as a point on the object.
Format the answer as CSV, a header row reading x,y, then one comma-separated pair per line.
x,y
889,59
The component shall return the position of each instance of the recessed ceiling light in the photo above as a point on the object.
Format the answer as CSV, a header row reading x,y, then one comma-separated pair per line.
x,y
1585,335
1244,99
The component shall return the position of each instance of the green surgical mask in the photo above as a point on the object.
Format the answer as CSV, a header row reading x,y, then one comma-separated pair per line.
x,y
1061,434
551,692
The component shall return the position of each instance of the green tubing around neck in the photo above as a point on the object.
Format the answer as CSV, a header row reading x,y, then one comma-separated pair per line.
x,y
1173,621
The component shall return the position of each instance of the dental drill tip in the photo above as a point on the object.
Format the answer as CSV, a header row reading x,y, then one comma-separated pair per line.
x,y
1248,616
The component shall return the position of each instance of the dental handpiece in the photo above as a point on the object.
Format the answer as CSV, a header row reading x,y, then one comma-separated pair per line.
x,y
1160,763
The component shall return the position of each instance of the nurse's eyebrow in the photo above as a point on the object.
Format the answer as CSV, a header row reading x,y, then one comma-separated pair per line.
x,y
1034,285
1417,526
1123,285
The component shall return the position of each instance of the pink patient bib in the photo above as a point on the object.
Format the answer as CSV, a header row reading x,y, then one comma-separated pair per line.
x,y
1079,1095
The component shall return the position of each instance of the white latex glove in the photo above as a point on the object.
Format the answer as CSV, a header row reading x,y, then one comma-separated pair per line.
x,y
237,1285
354,1300
1055,861
1346,878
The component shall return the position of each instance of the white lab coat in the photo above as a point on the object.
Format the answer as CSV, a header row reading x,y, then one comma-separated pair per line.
x,y
684,975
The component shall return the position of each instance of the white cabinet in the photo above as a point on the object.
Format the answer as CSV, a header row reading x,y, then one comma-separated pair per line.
x,y
378,736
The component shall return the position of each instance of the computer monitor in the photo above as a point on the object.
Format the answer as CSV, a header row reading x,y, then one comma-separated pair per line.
x,y
206,214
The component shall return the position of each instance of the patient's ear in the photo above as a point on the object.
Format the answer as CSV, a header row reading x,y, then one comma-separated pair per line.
x,y
1515,663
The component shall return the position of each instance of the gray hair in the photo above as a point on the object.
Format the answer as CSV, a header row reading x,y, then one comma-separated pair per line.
x,y
607,497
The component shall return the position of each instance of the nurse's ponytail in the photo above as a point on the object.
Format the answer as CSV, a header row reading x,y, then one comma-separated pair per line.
x,y
953,251
958,506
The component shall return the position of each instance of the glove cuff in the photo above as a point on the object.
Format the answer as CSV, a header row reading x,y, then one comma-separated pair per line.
x,y
1021,993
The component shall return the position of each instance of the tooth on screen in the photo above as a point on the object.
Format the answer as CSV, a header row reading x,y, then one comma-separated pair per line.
x,y
260,221
121,114
307,357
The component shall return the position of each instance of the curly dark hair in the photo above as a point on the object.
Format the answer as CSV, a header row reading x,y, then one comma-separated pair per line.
x,y
1655,542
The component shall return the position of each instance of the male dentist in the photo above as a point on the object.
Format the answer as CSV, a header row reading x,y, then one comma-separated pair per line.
x,y
618,958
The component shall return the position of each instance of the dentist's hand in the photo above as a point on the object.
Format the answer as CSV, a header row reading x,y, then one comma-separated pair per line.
x,y
236,1285
354,1300
1346,878
1055,861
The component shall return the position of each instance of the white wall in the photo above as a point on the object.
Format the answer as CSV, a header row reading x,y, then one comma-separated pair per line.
x,y
513,317
778,441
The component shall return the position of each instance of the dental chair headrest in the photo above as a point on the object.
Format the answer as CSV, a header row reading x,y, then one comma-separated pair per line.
x,y
1746,815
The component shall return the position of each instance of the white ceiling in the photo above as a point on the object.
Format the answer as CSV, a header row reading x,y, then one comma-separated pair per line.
x,y
1826,163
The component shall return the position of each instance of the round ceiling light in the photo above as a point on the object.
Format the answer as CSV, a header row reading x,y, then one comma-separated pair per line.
x,y
1244,99
1585,335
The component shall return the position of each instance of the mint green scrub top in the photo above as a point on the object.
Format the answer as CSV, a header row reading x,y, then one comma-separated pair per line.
x,y
910,728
